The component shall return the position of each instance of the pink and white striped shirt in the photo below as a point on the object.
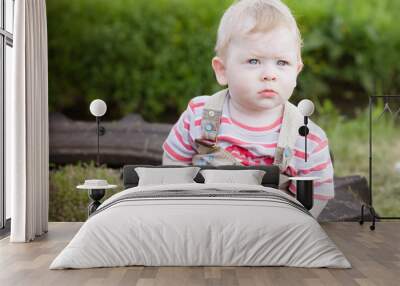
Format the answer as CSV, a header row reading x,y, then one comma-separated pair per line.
x,y
253,145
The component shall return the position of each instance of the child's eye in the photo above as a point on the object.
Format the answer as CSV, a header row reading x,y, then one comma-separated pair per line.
x,y
253,61
283,63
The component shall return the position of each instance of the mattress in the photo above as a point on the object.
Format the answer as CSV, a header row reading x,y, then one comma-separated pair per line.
x,y
201,225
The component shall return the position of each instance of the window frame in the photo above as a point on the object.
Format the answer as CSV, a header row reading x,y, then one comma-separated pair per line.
x,y
6,39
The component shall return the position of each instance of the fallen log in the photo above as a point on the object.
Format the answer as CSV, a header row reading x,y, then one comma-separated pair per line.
x,y
350,193
130,140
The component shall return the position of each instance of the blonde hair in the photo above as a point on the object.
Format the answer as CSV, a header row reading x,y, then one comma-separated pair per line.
x,y
252,16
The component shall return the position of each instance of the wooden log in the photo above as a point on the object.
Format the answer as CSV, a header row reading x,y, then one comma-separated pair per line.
x,y
350,193
130,140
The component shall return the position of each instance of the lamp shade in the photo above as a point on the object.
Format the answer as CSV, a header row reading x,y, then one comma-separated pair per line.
x,y
306,107
98,107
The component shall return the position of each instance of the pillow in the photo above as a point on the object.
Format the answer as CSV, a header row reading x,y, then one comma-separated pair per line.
x,y
248,177
162,176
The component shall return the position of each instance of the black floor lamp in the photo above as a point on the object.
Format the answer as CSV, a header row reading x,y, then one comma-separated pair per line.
x,y
96,188
98,108
370,206
305,185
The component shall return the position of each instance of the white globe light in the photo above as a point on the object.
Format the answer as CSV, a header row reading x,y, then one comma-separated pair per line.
x,y
306,107
98,107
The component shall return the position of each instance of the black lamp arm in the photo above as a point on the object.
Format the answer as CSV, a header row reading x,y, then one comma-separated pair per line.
x,y
100,131
303,131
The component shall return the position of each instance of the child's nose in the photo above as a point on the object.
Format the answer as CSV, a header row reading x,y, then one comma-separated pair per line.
x,y
268,74
269,77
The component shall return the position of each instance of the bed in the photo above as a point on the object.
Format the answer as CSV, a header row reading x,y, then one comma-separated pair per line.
x,y
201,224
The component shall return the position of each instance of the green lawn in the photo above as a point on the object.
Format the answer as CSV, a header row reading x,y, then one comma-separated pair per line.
x,y
349,141
70,204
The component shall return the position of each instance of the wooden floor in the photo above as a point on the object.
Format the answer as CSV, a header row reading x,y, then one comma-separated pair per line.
x,y
374,255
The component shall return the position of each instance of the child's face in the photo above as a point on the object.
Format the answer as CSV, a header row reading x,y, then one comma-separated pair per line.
x,y
259,62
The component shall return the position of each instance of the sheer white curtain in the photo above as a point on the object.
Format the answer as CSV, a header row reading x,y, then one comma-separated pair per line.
x,y
27,140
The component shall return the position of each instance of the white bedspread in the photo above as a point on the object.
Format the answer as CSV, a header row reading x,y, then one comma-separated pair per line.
x,y
179,231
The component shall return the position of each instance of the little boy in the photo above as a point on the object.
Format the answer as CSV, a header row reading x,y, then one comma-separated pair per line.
x,y
258,56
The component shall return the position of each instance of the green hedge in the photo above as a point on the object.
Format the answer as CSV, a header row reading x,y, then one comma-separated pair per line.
x,y
151,57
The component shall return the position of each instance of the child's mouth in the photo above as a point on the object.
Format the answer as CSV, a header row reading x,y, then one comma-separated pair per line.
x,y
268,93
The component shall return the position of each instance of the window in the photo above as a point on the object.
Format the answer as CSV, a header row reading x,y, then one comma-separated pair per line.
x,y
6,44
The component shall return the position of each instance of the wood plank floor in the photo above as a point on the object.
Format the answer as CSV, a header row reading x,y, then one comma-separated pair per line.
x,y
374,255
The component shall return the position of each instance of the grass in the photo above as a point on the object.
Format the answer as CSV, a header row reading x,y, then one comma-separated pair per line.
x,y
349,142
70,204
348,139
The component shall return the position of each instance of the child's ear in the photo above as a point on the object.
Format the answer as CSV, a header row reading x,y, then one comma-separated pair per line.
x,y
300,67
219,70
